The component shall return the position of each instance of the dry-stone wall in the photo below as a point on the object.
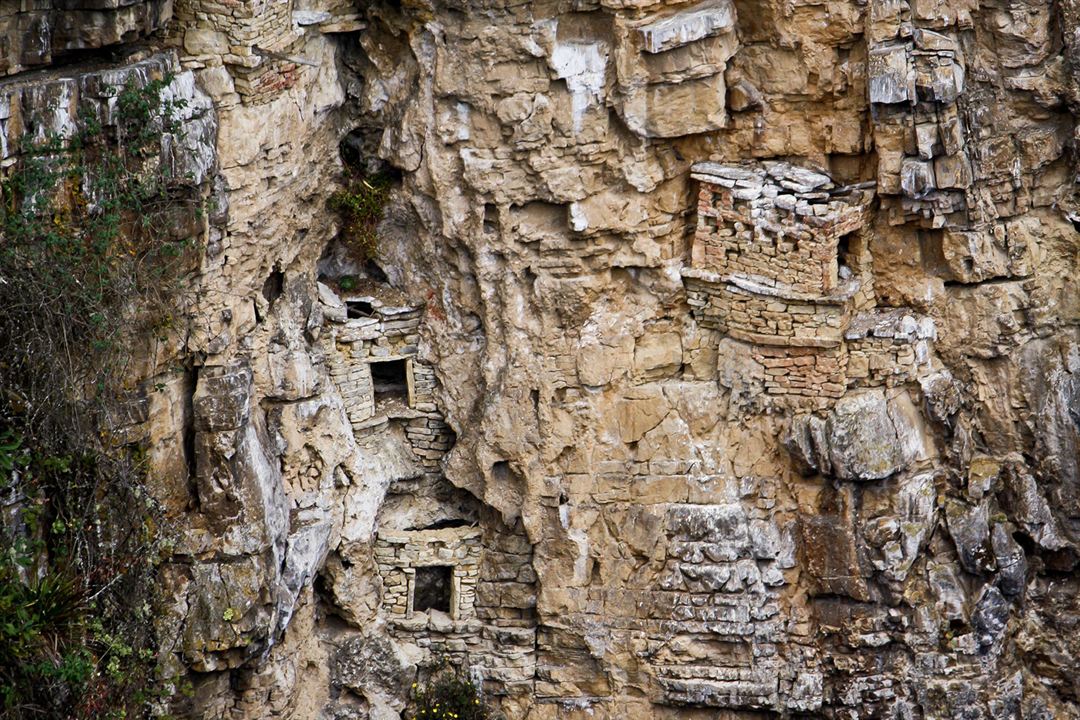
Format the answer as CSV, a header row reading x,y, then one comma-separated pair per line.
x,y
779,262
725,353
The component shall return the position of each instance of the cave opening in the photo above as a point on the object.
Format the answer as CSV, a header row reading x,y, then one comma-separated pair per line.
x,y
273,286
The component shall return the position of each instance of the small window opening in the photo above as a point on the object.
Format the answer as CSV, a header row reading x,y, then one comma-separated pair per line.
x,y
359,309
448,523
432,588
389,380
500,471
843,249
847,256
849,251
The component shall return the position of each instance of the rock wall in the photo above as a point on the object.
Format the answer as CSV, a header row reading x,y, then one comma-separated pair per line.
x,y
717,359
39,34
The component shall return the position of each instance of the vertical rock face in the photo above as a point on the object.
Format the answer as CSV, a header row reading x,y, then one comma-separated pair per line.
x,y
40,33
716,359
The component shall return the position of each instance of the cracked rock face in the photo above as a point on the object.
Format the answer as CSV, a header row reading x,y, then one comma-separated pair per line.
x,y
717,359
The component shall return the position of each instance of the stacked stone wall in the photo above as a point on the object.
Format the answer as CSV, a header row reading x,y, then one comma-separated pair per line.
x,y
888,348
492,628
399,554
766,272
808,373
768,319
775,230
390,333
716,587
506,602
431,438
253,38
507,595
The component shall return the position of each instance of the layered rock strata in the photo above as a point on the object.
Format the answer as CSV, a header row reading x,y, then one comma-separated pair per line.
x,y
717,359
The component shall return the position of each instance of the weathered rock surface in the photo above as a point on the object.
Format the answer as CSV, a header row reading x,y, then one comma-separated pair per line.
x,y
39,33
718,359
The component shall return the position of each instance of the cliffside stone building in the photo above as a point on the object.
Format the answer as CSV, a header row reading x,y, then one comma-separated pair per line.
x,y
780,261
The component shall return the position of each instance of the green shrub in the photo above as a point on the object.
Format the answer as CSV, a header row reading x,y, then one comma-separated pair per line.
x,y
88,247
449,695
75,642
361,208
92,254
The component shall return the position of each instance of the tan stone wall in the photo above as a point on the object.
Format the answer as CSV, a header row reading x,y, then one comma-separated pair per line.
x,y
400,553
786,239
769,319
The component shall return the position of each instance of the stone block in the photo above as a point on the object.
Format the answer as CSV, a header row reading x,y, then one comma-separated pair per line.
x,y
687,25
892,78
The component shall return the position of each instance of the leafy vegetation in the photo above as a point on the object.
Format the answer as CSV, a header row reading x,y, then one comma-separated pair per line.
x,y
361,208
72,642
449,695
88,227
93,248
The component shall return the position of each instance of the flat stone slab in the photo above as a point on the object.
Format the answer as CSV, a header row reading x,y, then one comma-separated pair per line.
x,y
695,23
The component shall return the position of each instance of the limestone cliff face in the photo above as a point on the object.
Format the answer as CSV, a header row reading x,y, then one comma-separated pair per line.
x,y
718,359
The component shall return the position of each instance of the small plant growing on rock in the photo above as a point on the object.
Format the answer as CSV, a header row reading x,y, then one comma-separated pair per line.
x,y
361,208
448,695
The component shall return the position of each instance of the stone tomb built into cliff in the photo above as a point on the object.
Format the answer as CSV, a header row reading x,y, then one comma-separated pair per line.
x,y
780,262
455,579
375,368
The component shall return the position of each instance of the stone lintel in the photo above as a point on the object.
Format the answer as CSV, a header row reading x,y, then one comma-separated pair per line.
x,y
754,286
783,341
455,534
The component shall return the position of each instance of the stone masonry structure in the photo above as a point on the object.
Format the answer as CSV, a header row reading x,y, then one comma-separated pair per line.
x,y
780,262
401,554
376,370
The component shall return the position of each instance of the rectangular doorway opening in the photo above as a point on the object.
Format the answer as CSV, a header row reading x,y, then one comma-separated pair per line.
x,y
432,588
390,380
